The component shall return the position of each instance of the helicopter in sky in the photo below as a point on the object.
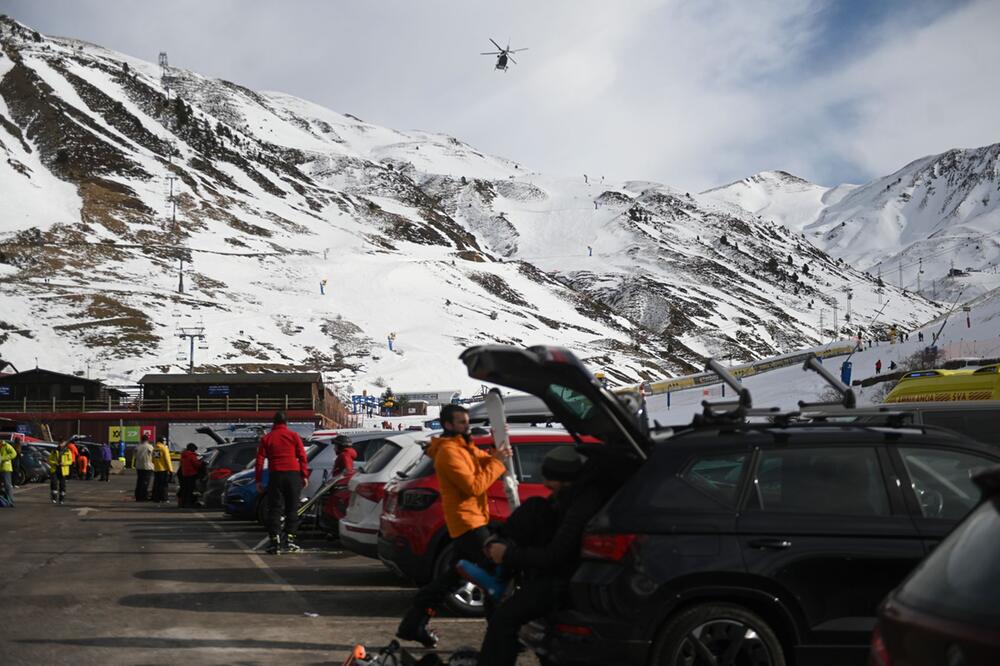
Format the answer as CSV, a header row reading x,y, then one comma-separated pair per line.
x,y
503,55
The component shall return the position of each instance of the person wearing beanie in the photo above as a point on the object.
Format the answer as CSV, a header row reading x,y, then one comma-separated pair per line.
x,y
188,473
540,545
346,455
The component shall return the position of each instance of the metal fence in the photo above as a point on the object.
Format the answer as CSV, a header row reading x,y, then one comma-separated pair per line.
x,y
196,404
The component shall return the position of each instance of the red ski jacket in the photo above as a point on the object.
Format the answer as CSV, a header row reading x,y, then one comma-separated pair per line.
x,y
284,452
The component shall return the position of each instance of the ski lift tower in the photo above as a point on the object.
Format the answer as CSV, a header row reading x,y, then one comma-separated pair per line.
x,y
193,333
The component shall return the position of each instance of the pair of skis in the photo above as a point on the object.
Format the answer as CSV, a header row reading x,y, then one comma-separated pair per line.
x,y
501,440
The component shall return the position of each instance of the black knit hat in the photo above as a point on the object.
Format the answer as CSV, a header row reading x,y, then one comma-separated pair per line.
x,y
342,440
562,463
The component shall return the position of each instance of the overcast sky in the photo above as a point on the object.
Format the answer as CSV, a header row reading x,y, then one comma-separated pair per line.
x,y
692,93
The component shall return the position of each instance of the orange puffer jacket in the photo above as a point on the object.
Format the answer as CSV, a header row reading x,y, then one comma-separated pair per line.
x,y
465,474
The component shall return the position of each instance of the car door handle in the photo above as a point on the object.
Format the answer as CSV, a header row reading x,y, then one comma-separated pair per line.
x,y
770,544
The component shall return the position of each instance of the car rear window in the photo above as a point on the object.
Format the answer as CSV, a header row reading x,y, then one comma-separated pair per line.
x,y
314,450
243,455
835,480
382,457
369,447
424,466
960,577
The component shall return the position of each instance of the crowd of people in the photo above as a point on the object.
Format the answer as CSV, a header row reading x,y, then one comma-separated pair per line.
x,y
523,566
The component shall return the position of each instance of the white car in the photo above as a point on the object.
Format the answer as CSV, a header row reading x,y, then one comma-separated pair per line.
x,y
359,527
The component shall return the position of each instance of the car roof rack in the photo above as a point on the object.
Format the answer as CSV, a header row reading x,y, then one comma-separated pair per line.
x,y
847,398
730,411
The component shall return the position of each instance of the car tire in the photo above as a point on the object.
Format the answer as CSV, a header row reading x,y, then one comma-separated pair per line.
x,y
711,629
468,600
20,477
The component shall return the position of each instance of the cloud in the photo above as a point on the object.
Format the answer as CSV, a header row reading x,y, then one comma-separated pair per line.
x,y
685,92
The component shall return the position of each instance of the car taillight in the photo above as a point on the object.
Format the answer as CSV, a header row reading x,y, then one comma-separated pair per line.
x,y
612,547
371,491
417,499
220,473
574,630
879,655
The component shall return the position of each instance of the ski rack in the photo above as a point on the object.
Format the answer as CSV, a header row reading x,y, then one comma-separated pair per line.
x,y
847,398
894,418
737,410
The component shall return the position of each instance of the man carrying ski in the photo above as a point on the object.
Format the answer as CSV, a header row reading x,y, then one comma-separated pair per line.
x,y
288,473
540,544
465,473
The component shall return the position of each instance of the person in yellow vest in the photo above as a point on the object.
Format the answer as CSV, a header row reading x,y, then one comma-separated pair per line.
x,y
7,456
60,463
161,470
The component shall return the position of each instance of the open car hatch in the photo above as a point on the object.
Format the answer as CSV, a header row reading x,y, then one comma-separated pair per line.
x,y
558,377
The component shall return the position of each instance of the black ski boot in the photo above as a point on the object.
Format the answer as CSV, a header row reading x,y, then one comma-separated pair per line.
x,y
55,497
273,545
414,628
62,497
288,544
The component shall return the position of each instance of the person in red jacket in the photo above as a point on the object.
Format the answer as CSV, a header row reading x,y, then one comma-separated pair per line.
x,y
190,467
288,472
346,455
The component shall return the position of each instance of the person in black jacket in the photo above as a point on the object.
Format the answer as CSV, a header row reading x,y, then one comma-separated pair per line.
x,y
540,544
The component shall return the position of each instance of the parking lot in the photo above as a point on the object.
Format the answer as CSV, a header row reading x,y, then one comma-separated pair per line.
x,y
105,580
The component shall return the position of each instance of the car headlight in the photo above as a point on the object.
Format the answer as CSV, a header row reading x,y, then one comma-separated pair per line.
x,y
242,482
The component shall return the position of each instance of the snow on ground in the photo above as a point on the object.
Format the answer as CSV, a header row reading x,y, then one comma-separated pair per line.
x,y
784,387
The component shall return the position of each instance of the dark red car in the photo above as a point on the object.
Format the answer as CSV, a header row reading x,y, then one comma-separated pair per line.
x,y
947,612
413,540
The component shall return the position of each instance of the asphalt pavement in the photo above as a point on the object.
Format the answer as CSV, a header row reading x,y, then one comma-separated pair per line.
x,y
105,580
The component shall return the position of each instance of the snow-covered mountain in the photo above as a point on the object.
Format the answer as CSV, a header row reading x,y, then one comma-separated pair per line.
x,y
309,236
780,197
933,225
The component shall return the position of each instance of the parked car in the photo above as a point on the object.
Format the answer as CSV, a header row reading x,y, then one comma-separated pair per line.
x,y
734,542
974,418
358,529
946,612
413,540
241,499
32,464
221,462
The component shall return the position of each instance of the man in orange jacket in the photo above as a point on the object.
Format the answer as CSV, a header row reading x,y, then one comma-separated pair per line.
x,y
464,473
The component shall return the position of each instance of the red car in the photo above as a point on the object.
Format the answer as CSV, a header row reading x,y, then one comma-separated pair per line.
x,y
946,613
413,540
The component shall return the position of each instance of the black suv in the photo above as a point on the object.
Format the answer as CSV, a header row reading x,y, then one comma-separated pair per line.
x,y
736,542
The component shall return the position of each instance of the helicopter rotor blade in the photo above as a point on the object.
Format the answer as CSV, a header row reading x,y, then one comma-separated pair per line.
x,y
491,53
499,48
511,58
519,50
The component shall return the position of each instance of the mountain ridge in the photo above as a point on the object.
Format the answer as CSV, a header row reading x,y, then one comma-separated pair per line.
x,y
308,237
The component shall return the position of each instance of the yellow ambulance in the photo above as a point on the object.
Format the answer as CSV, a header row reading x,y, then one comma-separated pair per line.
x,y
948,385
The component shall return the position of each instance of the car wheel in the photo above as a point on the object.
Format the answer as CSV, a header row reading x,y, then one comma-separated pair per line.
x,y
467,600
20,477
717,634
